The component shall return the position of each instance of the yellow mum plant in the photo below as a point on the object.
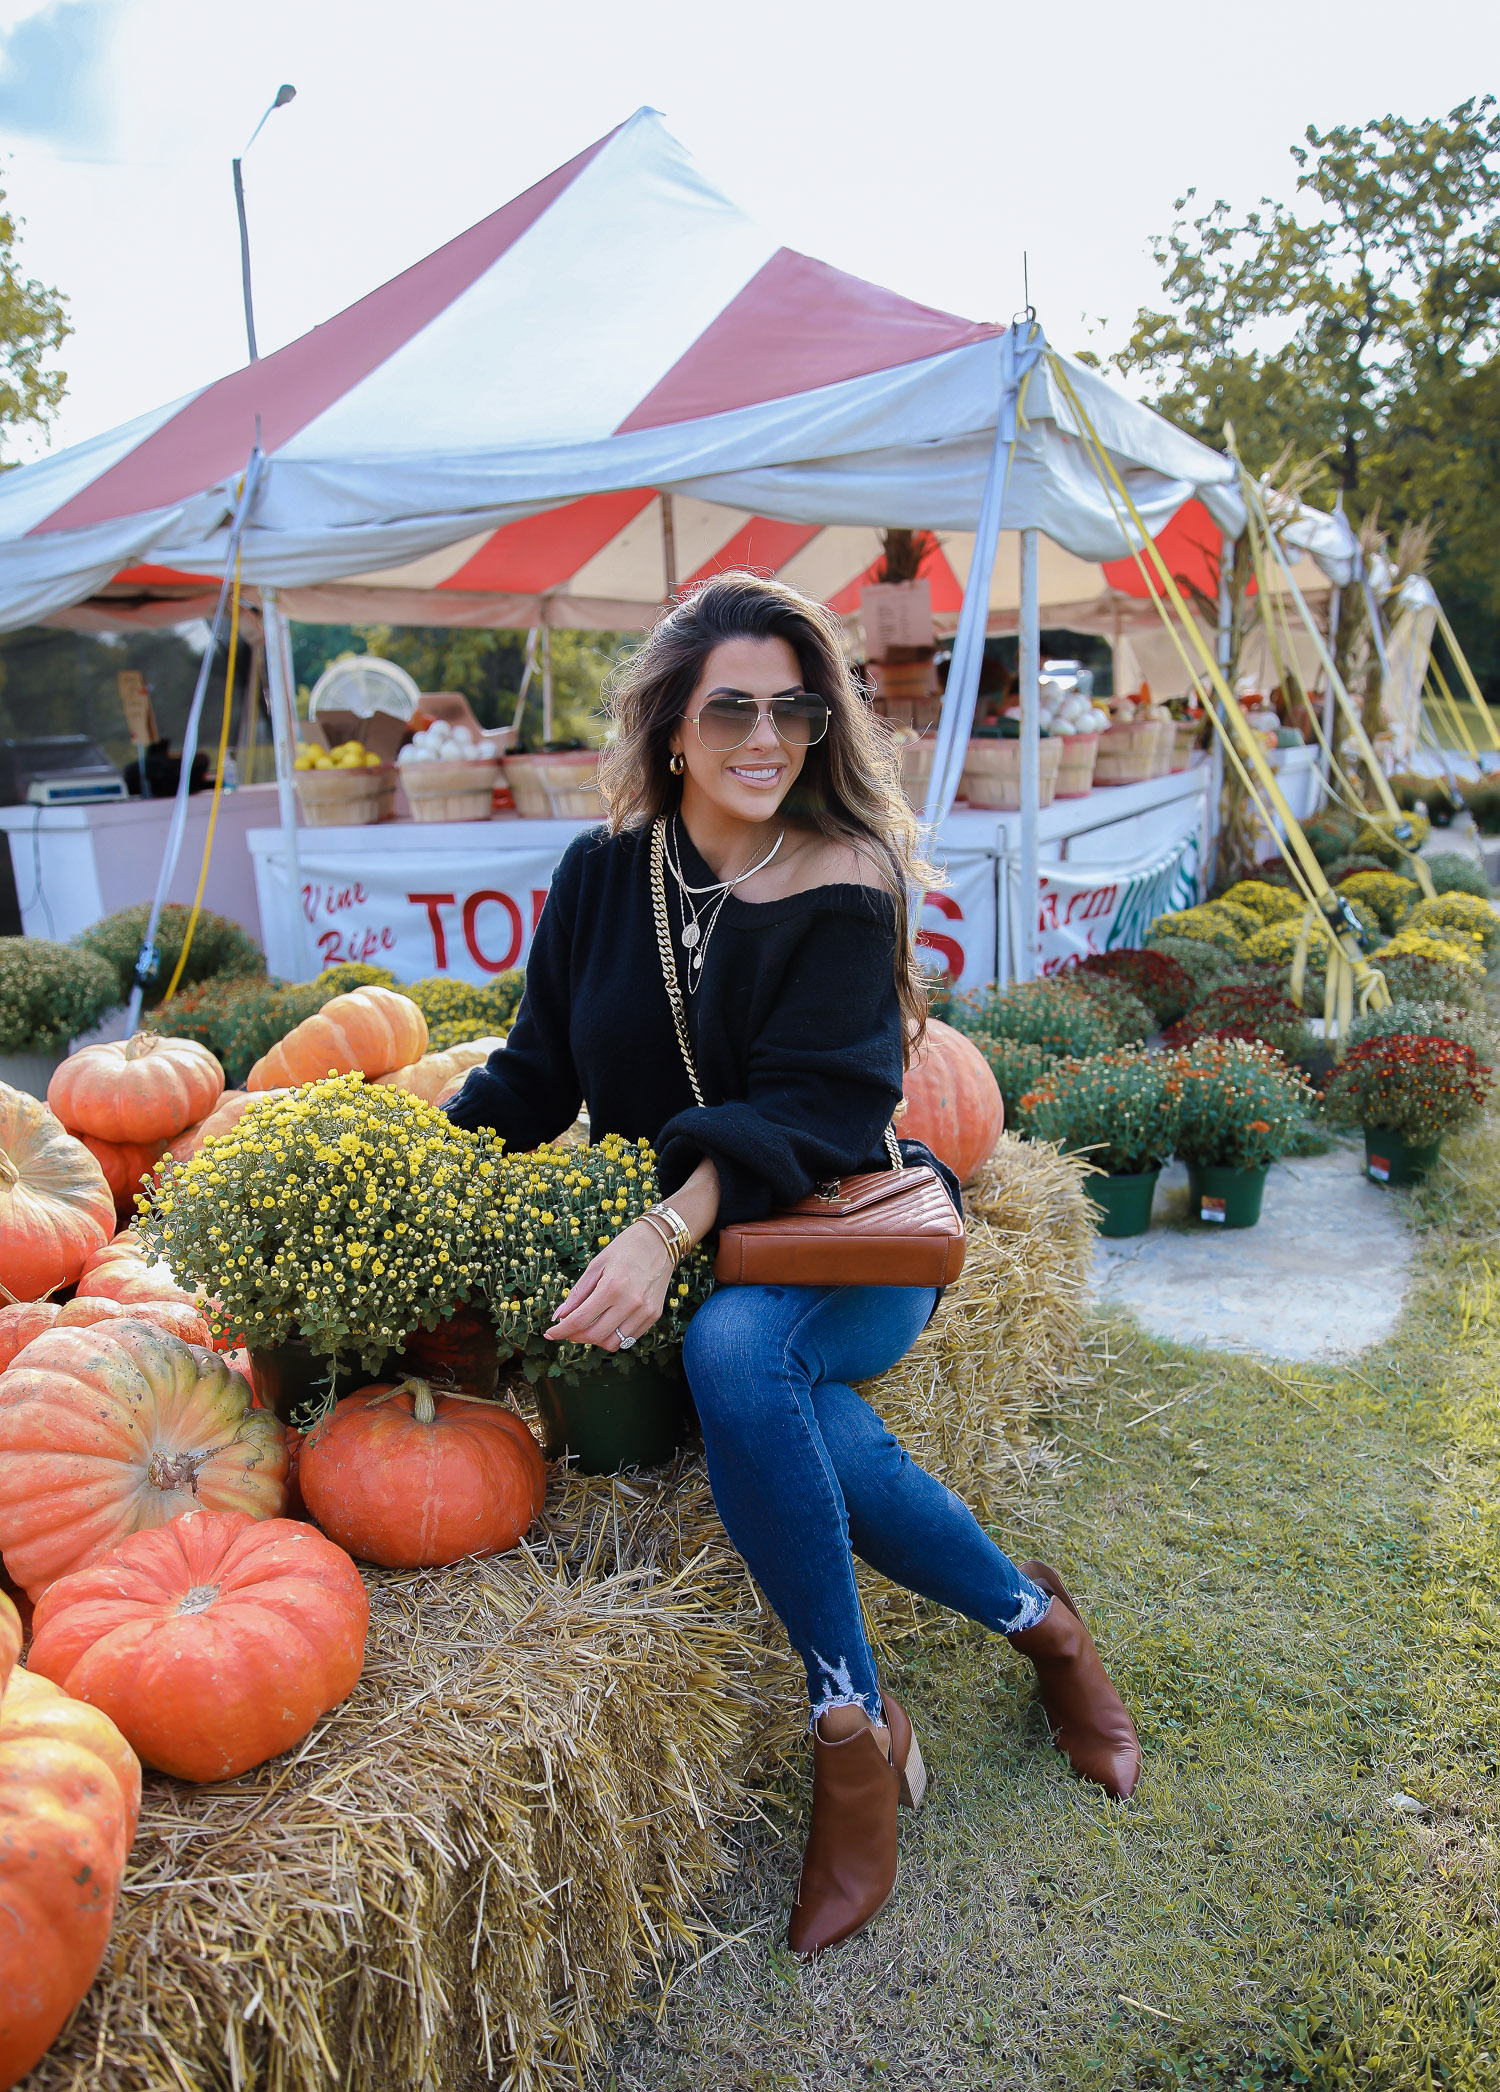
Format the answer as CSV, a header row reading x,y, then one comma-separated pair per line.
x,y
1273,904
1387,893
1451,949
350,1214
1461,917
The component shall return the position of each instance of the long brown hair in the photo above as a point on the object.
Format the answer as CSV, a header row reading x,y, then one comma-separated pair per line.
x,y
849,788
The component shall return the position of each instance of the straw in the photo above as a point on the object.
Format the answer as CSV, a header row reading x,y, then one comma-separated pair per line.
x,y
468,1872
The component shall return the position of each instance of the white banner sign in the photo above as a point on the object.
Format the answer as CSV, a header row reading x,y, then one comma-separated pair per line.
x,y
1087,908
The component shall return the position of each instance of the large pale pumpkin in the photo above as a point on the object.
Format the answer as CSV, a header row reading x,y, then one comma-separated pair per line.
x,y
213,1642
372,1030
410,1478
435,1073
20,1325
952,1101
70,1796
141,1089
55,1207
107,1430
126,1166
122,1271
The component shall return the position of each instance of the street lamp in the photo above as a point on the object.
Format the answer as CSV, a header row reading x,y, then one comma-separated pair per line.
x,y
284,94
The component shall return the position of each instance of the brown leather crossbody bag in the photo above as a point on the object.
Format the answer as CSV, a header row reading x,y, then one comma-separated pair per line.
x,y
894,1227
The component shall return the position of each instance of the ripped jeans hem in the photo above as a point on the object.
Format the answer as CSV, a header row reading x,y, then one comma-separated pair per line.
x,y
839,1690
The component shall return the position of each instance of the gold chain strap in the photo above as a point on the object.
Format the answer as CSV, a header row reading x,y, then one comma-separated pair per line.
x,y
668,956
674,991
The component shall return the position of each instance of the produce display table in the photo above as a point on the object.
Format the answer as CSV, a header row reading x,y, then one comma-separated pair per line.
x,y
463,897
74,864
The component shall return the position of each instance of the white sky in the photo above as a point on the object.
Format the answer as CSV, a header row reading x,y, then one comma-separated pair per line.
x,y
922,145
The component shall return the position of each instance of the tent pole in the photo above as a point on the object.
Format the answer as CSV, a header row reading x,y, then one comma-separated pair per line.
x,y
546,680
1030,635
283,709
669,547
1223,647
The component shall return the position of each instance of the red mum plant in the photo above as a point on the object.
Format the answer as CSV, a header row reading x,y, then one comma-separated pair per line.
x,y
1415,1087
1245,1010
1162,983
1119,1108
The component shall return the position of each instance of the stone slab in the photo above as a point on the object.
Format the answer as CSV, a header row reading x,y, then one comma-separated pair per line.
x,y
1322,1277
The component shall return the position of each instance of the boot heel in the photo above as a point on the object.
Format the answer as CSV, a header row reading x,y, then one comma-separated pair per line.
x,y
913,1778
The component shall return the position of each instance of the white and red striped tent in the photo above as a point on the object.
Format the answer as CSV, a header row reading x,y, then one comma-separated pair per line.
x,y
613,384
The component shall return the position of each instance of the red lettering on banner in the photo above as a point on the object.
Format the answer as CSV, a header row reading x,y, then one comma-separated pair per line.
x,y
538,903
948,949
432,902
356,947
472,907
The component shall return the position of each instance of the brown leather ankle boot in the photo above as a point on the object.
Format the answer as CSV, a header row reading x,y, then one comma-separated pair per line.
x,y
849,1867
1087,1717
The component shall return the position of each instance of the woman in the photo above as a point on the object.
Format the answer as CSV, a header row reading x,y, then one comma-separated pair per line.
x,y
788,851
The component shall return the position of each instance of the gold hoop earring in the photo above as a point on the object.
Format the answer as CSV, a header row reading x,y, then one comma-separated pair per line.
x,y
678,763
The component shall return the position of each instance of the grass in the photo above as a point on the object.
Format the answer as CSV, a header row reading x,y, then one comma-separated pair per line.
x,y
1294,1573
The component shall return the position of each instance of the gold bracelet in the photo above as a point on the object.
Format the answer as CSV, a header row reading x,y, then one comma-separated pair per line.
x,y
679,1238
667,1241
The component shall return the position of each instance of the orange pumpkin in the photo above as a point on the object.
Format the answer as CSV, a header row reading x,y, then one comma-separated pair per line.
x,y
224,1117
409,1478
373,1030
436,1073
213,1642
126,1166
70,1796
952,1101
55,1207
19,1325
104,1431
121,1271
10,1640
141,1089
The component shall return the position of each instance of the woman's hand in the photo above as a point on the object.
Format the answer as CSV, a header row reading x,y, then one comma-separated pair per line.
x,y
621,1294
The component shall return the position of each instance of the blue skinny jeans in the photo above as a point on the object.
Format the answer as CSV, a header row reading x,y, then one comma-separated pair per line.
x,y
806,1476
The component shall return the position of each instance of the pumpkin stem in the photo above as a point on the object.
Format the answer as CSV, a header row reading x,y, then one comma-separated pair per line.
x,y
9,1174
174,1471
140,1044
198,1599
423,1408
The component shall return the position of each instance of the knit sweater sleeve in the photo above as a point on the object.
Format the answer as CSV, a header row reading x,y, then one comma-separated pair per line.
x,y
824,1077
530,1091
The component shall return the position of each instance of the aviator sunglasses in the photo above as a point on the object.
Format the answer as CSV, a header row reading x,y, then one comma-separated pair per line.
x,y
800,718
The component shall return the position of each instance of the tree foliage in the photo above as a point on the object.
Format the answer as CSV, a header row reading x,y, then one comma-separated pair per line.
x,y
1358,324
33,326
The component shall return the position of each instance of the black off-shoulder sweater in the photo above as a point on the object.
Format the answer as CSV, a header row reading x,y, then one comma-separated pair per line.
x,y
795,1028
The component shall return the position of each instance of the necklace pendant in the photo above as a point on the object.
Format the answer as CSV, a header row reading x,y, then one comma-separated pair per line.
x,y
697,960
690,935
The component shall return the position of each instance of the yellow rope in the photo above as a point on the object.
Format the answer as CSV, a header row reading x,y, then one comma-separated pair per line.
x,y
1466,676
213,811
1348,970
1452,702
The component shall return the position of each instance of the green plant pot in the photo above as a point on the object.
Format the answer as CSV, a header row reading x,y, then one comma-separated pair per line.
x,y
1123,1202
627,1413
292,1379
1392,1161
1226,1198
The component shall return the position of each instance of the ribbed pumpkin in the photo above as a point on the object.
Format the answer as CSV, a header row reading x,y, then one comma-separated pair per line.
x,y
952,1101
410,1479
55,1207
20,1326
126,1165
141,1089
434,1073
213,1642
70,1796
373,1030
121,1271
107,1430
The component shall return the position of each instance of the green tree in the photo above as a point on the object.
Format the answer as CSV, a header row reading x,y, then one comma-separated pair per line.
x,y
1358,324
33,326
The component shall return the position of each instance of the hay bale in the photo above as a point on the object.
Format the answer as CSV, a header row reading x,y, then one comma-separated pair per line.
x,y
466,1872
